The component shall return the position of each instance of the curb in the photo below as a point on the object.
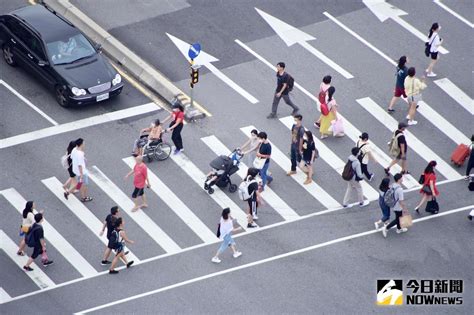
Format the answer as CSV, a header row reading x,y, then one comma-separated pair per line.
x,y
119,53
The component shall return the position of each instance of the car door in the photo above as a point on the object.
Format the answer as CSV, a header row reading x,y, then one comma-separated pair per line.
x,y
39,62
14,36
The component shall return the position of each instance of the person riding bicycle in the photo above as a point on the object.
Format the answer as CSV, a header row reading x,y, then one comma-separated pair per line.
x,y
148,136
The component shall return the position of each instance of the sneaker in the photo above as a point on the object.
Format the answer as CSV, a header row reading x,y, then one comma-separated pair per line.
x,y
105,262
364,203
130,263
126,252
376,225
176,152
251,225
237,254
27,268
412,122
271,116
387,171
317,125
113,272
408,117
290,173
384,231
390,110
371,177
403,230
345,206
431,74
417,210
255,217
47,263
295,111
469,217
269,181
216,260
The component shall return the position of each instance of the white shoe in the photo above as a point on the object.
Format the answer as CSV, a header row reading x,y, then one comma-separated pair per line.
x,y
376,225
408,117
402,230
384,231
215,260
371,177
363,204
237,254
412,122
255,217
431,74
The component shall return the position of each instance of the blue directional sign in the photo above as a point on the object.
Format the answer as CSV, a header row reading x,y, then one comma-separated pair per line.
x,y
194,50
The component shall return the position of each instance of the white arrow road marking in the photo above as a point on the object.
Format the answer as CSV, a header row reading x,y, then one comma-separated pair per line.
x,y
4,296
457,94
291,35
204,59
457,15
384,11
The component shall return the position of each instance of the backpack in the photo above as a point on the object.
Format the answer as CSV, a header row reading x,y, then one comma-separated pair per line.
x,y
361,155
322,96
30,236
393,147
64,161
291,83
114,239
389,197
348,172
244,189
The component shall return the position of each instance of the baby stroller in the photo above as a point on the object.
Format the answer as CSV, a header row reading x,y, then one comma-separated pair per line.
x,y
223,168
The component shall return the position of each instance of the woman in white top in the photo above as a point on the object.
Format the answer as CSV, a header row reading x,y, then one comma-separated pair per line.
x,y
250,147
413,88
435,41
27,222
226,227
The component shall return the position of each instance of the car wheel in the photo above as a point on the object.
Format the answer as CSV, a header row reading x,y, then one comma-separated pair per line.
x,y
61,97
8,55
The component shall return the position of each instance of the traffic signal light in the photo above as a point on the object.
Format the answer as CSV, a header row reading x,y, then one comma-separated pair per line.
x,y
194,75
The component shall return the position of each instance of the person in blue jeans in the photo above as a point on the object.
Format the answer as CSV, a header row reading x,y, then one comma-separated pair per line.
x,y
264,152
384,186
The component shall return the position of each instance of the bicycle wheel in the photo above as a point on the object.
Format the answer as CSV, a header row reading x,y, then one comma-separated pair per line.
x,y
162,151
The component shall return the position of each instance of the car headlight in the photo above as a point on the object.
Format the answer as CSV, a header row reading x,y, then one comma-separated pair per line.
x,y
78,92
117,79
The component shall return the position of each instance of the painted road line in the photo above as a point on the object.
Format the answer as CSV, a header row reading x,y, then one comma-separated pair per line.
x,y
204,59
413,143
292,35
78,124
27,102
455,14
333,160
140,217
53,237
457,94
350,130
37,275
178,207
284,162
218,196
257,263
280,206
4,296
80,211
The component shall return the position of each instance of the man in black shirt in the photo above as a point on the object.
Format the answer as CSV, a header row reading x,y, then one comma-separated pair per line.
x,y
39,243
264,152
282,91
109,223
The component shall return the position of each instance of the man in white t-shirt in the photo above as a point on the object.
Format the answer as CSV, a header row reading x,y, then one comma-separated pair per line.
x,y
79,168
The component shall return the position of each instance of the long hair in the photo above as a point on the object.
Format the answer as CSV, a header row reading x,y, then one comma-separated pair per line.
x,y
225,213
331,92
430,167
433,28
70,147
309,134
385,184
28,209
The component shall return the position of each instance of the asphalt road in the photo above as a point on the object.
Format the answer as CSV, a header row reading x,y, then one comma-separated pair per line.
x,y
332,277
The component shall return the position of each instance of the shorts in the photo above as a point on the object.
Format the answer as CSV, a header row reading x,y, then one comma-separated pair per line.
x,y
38,250
71,173
227,241
85,179
253,205
138,192
434,55
399,91
399,157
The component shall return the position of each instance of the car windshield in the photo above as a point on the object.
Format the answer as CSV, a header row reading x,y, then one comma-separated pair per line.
x,y
70,50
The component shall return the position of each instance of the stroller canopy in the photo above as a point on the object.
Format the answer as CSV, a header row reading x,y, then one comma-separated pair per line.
x,y
221,163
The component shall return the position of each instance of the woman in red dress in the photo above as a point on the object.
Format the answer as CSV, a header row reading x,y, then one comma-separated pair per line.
x,y
428,190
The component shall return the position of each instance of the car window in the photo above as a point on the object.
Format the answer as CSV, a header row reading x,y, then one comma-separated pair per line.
x,y
70,49
16,28
29,39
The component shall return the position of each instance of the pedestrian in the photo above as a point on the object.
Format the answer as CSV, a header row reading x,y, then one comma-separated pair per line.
x,y
176,125
140,180
28,220
399,206
309,155
250,147
413,88
398,148
226,228
354,182
254,196
282,91
428,189
470,162
264,152
70,184
37,242
109,223
117,241
296,147
327,125
322,96
402,72
79,168
365,154
383,188
435,42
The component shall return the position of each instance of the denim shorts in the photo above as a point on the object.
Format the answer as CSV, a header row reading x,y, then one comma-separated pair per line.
x,y
228,240
85,179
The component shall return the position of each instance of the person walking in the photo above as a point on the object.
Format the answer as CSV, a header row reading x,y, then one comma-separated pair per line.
x,y
354,182
109,224
117,241
38,243
226,228
326,120
176,126
322,96
435,42
79,168
264,152
428,190
255,198
28,220
399,206
140,180
413,88
398,149
383,188
365,154
70,184
296,147
402,72
250,147
282,91
470,162
309,155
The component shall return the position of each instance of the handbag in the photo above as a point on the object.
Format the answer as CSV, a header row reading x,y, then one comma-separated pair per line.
x,y
432,206
422,179
25,228
406,220
337,127
258,163
427,190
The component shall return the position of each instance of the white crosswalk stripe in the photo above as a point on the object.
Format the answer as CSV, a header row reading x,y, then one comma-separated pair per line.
x,y
80,211
218,196
413,142
53,237
457,94
140,217
175,204
268,195
40,278
4,296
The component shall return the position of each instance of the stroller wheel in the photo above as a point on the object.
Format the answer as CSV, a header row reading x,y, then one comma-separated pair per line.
x,y
149,157
210,190
233,188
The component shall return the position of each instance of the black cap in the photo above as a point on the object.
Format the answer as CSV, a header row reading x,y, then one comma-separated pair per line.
x,y
364,136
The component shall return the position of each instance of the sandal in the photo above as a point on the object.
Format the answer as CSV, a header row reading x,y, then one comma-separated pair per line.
x,y
20,253
86,199
66,195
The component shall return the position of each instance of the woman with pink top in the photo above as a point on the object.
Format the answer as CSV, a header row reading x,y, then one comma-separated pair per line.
x,y
322,94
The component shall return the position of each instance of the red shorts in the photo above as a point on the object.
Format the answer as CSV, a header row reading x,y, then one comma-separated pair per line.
x,y
399,92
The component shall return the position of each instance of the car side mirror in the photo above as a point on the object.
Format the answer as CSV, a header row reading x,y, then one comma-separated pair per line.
x,y
42,63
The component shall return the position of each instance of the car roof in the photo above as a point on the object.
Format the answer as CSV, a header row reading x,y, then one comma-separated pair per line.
x,y
49,26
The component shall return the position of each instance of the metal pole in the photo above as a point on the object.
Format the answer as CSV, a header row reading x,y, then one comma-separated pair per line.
x,y
191,85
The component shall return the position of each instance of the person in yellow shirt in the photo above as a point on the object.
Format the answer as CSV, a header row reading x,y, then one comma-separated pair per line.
x,y
413,88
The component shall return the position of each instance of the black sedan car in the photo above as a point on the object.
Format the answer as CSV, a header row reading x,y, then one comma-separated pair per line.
x,y
58,54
